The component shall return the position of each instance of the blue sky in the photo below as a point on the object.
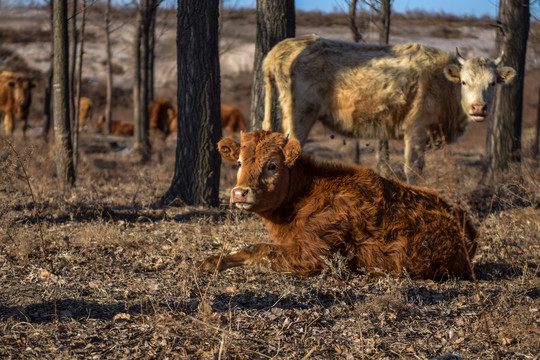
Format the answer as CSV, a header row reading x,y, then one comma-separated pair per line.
x,y
476,8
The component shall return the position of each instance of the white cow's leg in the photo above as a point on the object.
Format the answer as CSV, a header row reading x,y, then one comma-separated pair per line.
x,y
414,157
383,158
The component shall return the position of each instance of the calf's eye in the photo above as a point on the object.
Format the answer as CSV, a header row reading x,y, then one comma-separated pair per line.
x,y
239,164
272,167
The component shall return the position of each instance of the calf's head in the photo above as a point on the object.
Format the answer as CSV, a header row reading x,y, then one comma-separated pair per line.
x,y
478,77
264,161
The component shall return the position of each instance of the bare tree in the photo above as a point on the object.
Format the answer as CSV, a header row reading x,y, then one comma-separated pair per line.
x,y
536,145
275,22
140,119
77,89
504,132
72,60
197,167
63,146
108,68
47,102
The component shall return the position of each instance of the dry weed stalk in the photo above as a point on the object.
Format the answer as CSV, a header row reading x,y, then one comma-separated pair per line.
x,y
27,179
484,314
221,254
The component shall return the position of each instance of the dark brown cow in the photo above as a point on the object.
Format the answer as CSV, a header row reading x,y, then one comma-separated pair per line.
x,y
232,119
314,210
117,127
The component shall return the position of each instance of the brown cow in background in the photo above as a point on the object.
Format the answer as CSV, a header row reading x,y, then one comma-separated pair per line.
x,y
162,118
15,99
232,119
117,127
314,210
86,112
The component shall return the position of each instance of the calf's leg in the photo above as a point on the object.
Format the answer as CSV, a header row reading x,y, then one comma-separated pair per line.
x,y
274,256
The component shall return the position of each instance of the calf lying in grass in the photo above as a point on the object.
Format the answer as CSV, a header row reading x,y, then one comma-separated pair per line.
x,y
314,210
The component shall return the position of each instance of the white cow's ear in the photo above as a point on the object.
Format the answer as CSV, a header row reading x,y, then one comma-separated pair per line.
x,y
452,73
229,149
291,150
505,74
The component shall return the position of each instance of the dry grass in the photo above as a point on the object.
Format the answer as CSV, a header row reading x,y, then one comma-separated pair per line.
x,y
117,279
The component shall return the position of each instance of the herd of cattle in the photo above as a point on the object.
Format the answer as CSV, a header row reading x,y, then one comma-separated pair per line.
x,y
16,98
314,210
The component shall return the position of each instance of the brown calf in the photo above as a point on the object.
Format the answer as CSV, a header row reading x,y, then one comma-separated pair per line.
x,y
314,210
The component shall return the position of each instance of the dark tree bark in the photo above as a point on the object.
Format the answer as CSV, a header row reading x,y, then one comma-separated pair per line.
x,y
77,90
140,119
504,132
382,152
197,168
108,69
72,62
536,145
275,22
47,103
63,146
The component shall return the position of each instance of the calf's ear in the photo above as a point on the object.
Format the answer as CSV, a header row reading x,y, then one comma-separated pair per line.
x,y
452,72
229,149
291,150
505,74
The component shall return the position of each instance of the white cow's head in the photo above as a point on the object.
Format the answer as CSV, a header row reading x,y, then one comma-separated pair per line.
x,y
478,77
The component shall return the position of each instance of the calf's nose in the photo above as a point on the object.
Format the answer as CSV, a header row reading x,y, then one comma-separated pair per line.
x,y
239,194
479,108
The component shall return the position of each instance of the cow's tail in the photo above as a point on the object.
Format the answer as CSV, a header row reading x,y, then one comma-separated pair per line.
x,y
268,90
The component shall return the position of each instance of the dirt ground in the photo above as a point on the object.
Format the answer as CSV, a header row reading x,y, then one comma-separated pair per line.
x,y
97,272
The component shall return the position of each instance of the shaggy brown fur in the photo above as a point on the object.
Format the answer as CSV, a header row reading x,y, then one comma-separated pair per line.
x,y
314,210
15,99
117,127
410,92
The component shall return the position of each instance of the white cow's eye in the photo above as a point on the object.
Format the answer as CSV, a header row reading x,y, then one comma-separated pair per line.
x,y
463,83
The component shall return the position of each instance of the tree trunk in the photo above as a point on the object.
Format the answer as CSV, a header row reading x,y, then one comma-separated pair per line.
x,y
152,53
109,77
78,91
144,99
141,146
504,132
63,147
382,151
536,145
47,103
72,64
275,22
197,167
